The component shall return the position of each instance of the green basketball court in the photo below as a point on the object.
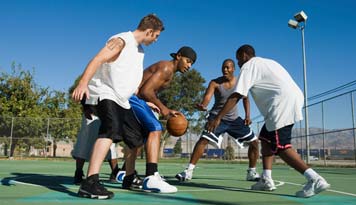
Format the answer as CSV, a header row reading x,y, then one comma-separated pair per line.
x,y
214,183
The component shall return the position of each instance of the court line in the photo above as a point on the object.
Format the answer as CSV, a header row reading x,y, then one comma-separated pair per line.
x,y
330,190
280,183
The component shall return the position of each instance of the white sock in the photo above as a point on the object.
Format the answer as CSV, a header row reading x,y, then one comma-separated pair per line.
x,y
252,169
191,167
310,174
267,173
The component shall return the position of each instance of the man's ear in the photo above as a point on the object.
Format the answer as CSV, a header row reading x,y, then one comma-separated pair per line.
x,y
149,32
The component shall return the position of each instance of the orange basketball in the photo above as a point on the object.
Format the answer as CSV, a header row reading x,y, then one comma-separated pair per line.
x,y
177,125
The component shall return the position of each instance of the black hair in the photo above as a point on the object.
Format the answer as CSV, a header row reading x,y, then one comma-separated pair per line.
x,y
229,60
248,49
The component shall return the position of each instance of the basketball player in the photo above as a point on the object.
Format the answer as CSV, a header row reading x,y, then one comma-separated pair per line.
x,y
221,88
155,78
109,80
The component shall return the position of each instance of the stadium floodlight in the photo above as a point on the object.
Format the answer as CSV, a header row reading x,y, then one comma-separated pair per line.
x,y
293,24
300,23
300,16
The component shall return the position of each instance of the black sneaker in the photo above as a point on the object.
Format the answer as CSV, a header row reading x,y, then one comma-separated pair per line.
x,y
132,181
78,177
92,188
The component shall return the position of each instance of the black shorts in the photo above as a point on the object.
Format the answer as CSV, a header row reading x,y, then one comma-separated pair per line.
x,y
119,124
278,139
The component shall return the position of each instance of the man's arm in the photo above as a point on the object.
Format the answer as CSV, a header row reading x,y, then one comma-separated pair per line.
x,y
246,103
230,103
207,96
108,53
149,89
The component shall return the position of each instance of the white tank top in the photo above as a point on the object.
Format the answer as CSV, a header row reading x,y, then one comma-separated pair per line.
x,y
118,80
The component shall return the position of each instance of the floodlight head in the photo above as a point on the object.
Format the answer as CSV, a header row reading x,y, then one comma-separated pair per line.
x,y
300,16
292,23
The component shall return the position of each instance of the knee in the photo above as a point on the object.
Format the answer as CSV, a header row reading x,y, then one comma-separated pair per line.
x,y
203,141
253,145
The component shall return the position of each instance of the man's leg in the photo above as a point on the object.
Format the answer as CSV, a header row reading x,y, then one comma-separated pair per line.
x,y
253,155
315,184
198,152
153,181
114,169
131,180
90,187
78,176
152,152
266,182
100,150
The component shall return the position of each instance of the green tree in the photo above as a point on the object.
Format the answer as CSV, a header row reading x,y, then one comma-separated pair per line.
x,y
21,97
177,149
229,150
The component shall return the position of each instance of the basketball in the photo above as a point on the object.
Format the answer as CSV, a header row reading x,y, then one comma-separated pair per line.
x,y
177,125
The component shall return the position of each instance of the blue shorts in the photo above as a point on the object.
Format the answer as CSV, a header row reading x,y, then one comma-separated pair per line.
x,y
145,115
236,129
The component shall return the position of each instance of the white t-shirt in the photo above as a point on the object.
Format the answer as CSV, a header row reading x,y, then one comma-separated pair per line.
x,y
118,80
276,95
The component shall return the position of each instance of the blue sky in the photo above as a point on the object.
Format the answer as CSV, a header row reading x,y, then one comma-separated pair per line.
x,y
59,37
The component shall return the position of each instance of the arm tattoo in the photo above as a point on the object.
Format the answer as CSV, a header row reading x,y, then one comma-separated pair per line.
x,y
115,43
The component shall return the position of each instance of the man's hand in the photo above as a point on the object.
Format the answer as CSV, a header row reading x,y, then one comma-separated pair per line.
x,y
154,107
201,107
168,113
80,91
248,121
213,124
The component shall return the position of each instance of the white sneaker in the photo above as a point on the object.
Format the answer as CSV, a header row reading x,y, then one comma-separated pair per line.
x,y
185,175
155,183
264,184
313,187
120,176
252,175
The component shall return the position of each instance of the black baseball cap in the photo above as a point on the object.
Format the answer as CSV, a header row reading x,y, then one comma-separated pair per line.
x,y
186,51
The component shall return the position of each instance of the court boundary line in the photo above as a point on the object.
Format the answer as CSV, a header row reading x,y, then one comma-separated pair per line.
x,y
280,183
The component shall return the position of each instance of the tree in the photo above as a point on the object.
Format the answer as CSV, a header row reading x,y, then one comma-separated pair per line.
x,y
177,149
21,97
229,150
183,93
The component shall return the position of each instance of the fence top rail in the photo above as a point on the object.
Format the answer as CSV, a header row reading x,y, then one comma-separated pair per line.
x,y
336,96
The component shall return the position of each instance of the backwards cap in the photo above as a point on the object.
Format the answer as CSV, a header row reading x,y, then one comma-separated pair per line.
x,y
186,51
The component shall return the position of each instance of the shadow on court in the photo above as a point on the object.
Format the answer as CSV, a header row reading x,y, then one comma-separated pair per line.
x,y
226,188
52,182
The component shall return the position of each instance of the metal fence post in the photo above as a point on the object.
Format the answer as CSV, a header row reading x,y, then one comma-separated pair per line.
x,y
353,123
11,132
323,124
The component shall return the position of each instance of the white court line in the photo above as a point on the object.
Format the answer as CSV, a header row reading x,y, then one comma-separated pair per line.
x,y
280,183
330,190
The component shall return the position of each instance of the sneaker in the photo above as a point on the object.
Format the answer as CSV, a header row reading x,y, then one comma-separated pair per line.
x,y
313,187
120,176
264,184
132,182
252,175
78,177
92,188
185,175
155,183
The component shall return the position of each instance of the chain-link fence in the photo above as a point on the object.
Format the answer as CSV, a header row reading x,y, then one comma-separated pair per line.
x,y
332,137
332,132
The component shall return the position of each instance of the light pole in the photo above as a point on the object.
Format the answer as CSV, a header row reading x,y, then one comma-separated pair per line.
x,y
300,23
